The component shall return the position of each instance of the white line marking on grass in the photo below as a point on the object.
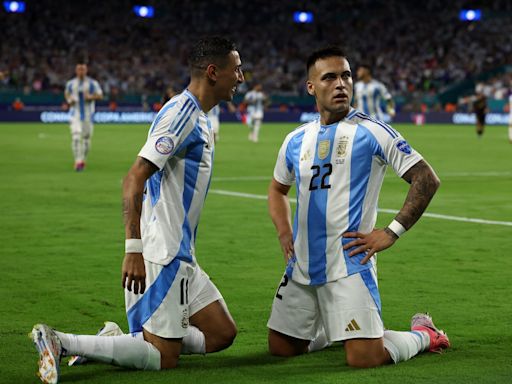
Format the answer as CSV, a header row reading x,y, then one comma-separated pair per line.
x,y
455,218
243,178
476,174
445,174
464,174
383,210
239,194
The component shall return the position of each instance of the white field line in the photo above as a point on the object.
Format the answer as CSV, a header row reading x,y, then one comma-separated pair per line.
x,y
243,178
476,174
446,174
383,210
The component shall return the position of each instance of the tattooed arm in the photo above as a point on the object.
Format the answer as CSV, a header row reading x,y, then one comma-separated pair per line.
x,y
424,184
133,270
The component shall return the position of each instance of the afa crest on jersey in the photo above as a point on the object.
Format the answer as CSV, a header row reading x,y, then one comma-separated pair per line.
x,y
323,149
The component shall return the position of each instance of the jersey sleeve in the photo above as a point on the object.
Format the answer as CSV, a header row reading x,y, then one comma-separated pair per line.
x,y
399,154
393,148
283,170
169,131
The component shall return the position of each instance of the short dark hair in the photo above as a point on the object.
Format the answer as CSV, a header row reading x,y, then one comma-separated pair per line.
x,y
323,53
81,58
208,50
365,65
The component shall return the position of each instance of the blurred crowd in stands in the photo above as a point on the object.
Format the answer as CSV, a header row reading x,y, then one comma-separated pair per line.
x,y
415,48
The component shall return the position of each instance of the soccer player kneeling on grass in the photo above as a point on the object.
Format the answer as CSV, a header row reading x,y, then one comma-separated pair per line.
x,y
172,306
329,291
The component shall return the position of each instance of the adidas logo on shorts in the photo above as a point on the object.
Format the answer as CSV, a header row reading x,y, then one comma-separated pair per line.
x,y
352,326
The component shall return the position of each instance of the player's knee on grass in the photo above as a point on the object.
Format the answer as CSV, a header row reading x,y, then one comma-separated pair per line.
x,y
168,361
285,346
366,353
169,349
217,325
362,361
222,338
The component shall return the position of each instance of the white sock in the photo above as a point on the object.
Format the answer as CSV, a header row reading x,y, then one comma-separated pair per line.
x,y
257,125
87,146
510,133
193,342
76,146
129,351
404,345
319,342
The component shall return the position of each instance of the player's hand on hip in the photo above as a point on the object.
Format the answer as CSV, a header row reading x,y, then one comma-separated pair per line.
x,y
375,241
134,272
286,241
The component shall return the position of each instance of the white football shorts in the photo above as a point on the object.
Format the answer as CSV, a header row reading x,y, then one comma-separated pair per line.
x,y
174,292
257,115
348,308
81,128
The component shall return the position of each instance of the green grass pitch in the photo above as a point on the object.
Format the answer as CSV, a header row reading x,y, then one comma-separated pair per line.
x,y
61,237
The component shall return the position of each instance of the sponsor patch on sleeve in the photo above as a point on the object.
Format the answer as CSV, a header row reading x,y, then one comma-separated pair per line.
x,y
403,146
164,145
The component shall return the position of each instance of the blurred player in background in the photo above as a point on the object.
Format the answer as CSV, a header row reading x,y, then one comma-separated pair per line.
x,y
480,109
214,117
369,94
170,92
478,103
329,291
81,94
172,305
168,95
256,101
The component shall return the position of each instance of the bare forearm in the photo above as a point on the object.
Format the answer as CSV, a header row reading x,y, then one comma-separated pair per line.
x,y
132,206
94,97
280,213
133,190
424,184
279,209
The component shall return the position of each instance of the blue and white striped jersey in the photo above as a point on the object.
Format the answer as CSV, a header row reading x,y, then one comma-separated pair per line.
x,y
369,97
338,171
180,143
76,90
255,104
214,113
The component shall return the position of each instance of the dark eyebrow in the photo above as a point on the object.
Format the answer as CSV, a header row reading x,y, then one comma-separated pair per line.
x,y
328,74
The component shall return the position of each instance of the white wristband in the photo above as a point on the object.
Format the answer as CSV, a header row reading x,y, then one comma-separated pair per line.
x,y
397,228
133,246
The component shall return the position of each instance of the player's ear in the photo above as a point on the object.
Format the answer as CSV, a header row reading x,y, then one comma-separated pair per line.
x,y
310,87
211,72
